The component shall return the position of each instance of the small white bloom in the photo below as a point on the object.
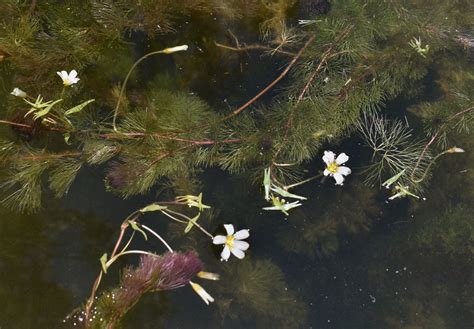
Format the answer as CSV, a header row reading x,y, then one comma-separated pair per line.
x,y
175,49
334,168
232,242
18,93
201,292
68,78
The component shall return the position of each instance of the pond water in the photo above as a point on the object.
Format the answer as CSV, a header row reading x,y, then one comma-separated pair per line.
x,y
347,258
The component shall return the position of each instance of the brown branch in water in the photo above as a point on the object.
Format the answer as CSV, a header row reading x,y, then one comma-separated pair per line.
x,y
273,83
435,136
326,56
11,123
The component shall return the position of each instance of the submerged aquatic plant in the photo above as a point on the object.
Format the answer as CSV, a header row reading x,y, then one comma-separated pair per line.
x,y
338,69
395,151
259,293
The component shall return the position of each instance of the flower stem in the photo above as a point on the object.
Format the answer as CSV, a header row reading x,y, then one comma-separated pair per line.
x,y
158,237
187,220
124,84
303,182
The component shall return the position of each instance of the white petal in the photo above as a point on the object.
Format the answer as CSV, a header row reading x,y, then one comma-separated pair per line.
x,y
237,253
328,157
73,74
61,74
219,239
344,170
339,178
225,254
326,172
201,292
271,208
342,158
229,229
242,234
242,245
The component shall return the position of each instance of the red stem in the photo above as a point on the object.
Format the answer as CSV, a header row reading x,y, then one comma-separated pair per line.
x,y
435,136
274,82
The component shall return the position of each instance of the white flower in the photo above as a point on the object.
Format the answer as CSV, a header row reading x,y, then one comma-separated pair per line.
x,y
18,93
201,292
69,78
232,242
334,168
282,205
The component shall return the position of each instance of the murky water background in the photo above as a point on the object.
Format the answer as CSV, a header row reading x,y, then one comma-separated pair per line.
x,y
345,259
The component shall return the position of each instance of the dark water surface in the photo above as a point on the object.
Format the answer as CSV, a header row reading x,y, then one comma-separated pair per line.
x,y
346,259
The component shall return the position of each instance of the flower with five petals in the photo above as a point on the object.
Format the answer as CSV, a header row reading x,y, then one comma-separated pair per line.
x,y
334,168
232,242
68,78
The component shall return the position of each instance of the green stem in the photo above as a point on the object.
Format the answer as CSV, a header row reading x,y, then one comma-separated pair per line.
x,y
187,220
124,84
429,166
139,252
302,182
158,237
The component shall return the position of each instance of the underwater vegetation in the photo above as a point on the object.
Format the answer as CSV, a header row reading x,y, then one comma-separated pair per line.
x,y
260,295
324,114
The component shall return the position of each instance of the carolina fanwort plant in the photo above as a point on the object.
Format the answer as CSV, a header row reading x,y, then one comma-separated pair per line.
x,y
77,98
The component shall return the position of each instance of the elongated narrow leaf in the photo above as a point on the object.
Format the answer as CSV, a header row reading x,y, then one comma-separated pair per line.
x,y
103,262
135,226
191,223
78,108
393,179
47,108
286,194
153,207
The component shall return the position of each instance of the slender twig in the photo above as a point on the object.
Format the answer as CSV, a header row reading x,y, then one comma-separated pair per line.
x,y
11,123
287,187
158,237
124,84
188,220
273,83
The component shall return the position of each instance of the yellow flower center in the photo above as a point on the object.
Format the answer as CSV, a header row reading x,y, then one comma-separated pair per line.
x,y
230,241
332,167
